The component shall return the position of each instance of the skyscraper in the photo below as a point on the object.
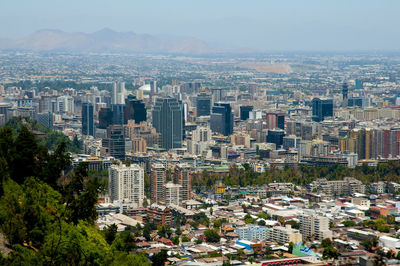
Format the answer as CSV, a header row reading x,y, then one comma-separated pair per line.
x,y
359,84
184,179
345,92
168,120
45,119
118,114
244,111
203,104
134,110
276,136
88,127
118,93
222,119
126,183
105,118
157,182
321,108
275,120
115,142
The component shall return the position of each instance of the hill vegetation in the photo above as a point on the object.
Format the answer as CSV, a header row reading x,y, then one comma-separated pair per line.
x,y
48,217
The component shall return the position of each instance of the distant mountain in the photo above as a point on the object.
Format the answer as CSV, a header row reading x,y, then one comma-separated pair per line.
x,y
105,40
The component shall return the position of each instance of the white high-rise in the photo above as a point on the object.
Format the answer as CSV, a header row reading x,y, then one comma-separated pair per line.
x,y
201,140
126,184
118,93
313,226
65,104
172,192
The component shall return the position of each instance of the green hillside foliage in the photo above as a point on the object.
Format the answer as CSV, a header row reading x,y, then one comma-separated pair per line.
x,y
48,218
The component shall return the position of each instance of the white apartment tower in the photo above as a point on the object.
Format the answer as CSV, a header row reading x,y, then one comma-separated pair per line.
x,y
126,184
65,104
314,227
157,182
118,93
172,193
183,177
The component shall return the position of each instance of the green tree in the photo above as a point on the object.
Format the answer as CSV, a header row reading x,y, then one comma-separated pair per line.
x,y
81,196
147,231
110,233
160,258
290,248
212,236
326,242
124,242
24,163
261,223
185,239
330,253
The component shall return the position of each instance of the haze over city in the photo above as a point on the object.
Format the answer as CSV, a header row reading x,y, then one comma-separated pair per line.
x,y
310,25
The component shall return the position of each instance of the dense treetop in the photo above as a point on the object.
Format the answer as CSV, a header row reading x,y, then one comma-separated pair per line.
x,y
47,214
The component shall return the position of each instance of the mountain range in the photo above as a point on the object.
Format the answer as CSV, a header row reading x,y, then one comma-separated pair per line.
x,y
105,40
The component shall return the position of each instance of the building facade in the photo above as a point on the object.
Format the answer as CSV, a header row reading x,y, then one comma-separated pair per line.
x,y
126,184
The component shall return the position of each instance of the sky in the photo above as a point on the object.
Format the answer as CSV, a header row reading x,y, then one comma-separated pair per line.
x,y
308,25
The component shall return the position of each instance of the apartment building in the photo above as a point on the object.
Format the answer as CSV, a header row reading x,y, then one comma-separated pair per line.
x,y
313,226
334,188
252,232
126,183
284,234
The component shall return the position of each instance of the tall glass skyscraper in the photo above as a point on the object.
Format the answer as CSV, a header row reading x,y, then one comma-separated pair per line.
x,y
88,127
321,108
203,104
168,120
222,119
134,110
118,114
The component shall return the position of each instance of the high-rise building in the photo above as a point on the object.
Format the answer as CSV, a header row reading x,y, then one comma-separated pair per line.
x,y
65,104
201,140
45,119
115,142
168,120
244,111
321,108
183,177
314,226
142,131
275,120
356,101
157,182
345,92
172,194
276,136
222,119
217,95
88,127
203,105
359,84
105,118
4,107
134,110
291,142
126,184
118,93
118,114
153,87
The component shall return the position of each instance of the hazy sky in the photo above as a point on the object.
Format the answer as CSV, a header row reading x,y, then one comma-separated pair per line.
x,y
261,24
